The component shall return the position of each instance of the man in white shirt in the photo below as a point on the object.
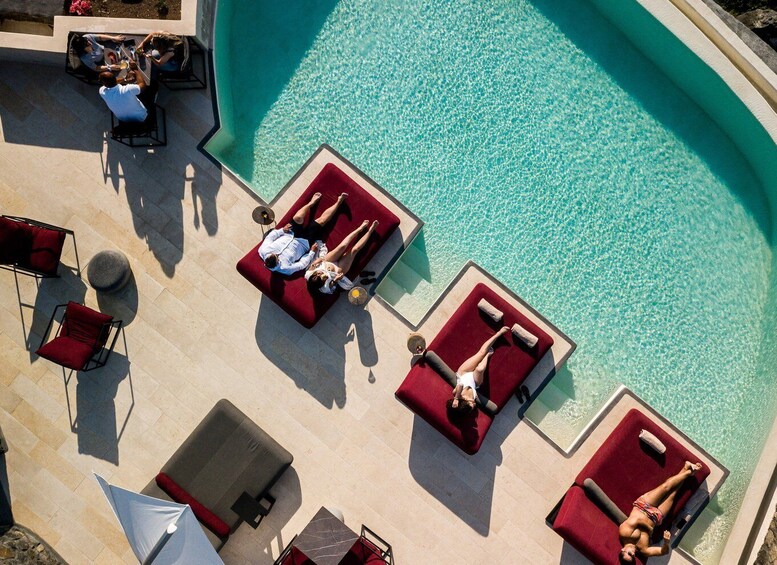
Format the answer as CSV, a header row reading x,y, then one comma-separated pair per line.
x,y
292,247
126,101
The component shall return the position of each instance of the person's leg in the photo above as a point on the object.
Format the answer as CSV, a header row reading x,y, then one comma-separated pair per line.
x,y
329,213
669,487
301,217
336,253
472,363
346,260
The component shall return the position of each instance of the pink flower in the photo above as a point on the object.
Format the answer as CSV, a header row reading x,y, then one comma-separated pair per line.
x,y
81,7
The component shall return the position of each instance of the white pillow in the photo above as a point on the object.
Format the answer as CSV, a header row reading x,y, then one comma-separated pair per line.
x,y
525,335
652,441
490,310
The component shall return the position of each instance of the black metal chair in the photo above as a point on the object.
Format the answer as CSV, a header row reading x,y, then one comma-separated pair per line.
x,y
73,64
81,340
33,248
150,133
186,78
374,543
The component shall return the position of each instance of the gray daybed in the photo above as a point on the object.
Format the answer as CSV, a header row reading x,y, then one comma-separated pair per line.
x,y
223,470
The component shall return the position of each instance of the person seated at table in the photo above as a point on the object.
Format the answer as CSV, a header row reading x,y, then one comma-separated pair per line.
x,y
92,52
648,512
292,247
326,273
166,51
128,102
470,376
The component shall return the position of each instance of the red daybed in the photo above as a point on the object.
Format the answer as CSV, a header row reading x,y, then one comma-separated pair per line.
x,y
291,293
424,391
624,468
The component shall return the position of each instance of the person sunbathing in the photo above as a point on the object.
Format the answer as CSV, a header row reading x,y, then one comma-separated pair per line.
x,y
470,376
291,248
327,273
648,512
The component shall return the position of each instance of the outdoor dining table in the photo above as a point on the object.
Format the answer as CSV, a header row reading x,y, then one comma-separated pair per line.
x,y
122,53
326,539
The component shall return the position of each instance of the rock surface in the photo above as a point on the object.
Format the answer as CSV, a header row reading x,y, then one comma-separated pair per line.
x,y
763,22
767,555
19,546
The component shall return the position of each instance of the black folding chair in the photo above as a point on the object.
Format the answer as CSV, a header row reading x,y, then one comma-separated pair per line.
x,y
186,78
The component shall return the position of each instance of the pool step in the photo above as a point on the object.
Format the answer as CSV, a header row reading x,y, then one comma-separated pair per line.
x,y
405,276
550,399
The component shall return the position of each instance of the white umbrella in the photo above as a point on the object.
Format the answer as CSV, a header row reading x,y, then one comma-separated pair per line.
x,y
159,531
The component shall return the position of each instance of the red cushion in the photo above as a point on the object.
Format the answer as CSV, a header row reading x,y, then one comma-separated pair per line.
x,y
45,250
296,557
291,293
86,325
362,552
625,468
205,516
425,392
15,241
67,352
580,522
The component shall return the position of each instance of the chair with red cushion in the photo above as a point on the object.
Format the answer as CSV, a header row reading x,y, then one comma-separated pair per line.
x,y
369,549
32,248
80,342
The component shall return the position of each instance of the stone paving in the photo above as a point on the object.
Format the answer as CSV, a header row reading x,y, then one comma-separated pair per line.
x,y
196,331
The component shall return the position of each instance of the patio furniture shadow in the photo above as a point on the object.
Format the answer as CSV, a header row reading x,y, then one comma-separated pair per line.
x,y
463,483
315,359
155,188
95,417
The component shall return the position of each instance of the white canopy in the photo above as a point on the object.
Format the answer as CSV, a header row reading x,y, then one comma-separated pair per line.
x,y
159,531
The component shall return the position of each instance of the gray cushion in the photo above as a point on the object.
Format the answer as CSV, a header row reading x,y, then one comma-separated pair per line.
x,y
490,310
603,501
442,369
226,454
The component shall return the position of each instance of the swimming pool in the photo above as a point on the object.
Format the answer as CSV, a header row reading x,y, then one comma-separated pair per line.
x,y
533,137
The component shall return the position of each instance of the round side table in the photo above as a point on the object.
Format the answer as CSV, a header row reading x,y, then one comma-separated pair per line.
x,y
108,271
263,215
416,343
358,296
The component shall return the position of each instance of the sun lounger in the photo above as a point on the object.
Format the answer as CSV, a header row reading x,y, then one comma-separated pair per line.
x,y
290,292
625,468
424,391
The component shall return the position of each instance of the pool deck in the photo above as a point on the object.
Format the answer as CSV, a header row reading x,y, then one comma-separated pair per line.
x,y
196,331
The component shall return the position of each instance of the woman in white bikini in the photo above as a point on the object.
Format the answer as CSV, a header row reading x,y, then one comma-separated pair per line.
x,y
470,376
326,273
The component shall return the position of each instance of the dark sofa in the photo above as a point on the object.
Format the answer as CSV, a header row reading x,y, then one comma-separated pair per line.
x,y
225,456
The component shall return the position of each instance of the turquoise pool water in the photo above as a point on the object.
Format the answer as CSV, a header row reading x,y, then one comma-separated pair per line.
x,y
533,137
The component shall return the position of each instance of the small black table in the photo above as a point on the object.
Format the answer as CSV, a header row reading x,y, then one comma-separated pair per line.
x,y
325,540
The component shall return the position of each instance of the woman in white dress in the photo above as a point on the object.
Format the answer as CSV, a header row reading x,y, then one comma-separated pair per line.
x,y
326,273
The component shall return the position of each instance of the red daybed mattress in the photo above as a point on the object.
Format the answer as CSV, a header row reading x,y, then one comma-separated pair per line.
x,y
624,468
291,293
425,392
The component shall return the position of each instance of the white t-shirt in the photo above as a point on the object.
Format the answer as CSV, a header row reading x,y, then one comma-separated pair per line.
x,y
123,101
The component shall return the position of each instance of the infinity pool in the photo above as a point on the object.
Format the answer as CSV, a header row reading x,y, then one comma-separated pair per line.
x,y
534,138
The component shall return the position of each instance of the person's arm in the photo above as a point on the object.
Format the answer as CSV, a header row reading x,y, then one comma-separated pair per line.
x,y
116,38
146,39
657,551
315,263
140,78
299,265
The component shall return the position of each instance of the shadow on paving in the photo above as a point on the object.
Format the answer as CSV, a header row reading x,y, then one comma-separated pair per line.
x,y
315,359
42,106
463,483
94,420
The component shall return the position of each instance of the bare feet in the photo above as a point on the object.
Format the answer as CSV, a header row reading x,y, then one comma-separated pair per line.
x,y
342,197
692,467
315,198
503,331
364,224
